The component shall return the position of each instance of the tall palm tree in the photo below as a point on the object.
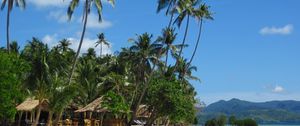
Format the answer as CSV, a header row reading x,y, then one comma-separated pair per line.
x,y
10,3
168,38
184,9
101,41
201,13
170,5
87,9
145,57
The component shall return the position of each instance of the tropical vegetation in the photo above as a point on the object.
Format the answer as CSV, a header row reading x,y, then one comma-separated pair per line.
x,y
137,75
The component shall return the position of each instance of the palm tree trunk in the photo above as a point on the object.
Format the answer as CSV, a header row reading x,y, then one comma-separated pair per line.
x,y
183,41
197,43
57,118
167,54
80,44
35,123
142,95
7,27
185,34
49,120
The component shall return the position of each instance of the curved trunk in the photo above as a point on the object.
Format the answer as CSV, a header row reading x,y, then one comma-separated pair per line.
x,y
183,41
142,95
49,120
80,44
185,34
197,43
7,27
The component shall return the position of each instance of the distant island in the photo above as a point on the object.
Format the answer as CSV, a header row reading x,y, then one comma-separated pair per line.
x,y
272,112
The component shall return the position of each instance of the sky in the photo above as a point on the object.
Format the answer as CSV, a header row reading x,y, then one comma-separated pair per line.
x,y
249,51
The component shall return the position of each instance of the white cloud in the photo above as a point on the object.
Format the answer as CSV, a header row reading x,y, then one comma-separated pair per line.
x,y
59,15
52,40
285,30
49,3
54,3
89,43
93,22
278,89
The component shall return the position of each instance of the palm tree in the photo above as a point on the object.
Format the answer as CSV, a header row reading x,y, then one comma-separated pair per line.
x,y
170,5
201,13
14,47
57,103
168,38
87,9
10,3
101,41
184,9
145,57
63,45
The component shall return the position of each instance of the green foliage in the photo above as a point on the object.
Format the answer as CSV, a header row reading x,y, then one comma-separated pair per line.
x,y
167,98
231,120
242,122
115,103
11,76
219,121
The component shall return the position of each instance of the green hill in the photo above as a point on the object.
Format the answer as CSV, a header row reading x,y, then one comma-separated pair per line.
x,y
273,112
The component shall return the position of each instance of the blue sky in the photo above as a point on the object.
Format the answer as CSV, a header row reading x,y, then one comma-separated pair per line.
x,y
250,51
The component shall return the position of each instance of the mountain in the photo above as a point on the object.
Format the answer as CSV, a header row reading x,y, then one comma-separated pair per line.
x,y
273,112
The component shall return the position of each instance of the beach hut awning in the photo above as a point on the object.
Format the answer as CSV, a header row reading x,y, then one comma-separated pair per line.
x,y
28,105
94,106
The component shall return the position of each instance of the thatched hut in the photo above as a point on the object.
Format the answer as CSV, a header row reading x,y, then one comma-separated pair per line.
x,y
29,106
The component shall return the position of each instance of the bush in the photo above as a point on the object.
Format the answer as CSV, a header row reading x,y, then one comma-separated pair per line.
x,y
12,69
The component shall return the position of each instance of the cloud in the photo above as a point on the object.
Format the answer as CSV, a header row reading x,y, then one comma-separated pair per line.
x,y
52,40
59,15
278,89
54,3
93,22
285,30
49,3
89,43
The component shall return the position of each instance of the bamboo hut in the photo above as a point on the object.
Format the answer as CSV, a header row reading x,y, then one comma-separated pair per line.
x,y
29,106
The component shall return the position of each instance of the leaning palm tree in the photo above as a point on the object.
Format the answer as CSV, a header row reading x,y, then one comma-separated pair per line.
x,y
10,3
145,57
101,41
201,13
87,10
184,9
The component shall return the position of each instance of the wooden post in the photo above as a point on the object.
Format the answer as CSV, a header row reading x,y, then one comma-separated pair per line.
x,y
20,118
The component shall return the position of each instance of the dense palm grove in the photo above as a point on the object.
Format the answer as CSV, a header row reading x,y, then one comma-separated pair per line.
x,y
138,75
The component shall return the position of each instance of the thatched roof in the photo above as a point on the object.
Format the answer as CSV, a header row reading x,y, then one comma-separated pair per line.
x,y
94,106
30,104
